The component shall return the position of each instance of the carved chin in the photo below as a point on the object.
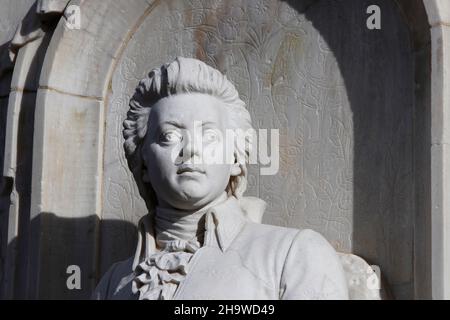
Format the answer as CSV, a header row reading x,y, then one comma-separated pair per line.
x,y
192,190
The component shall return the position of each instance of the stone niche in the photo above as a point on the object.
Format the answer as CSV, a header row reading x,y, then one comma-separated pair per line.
x,y
350,105
342,97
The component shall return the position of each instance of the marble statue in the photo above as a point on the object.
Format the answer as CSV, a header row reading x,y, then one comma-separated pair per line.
x,y
202,238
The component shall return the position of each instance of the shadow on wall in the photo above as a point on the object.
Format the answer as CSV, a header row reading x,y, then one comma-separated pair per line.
x,y
391,165
386,74
5,184
34,263
16,191
68,242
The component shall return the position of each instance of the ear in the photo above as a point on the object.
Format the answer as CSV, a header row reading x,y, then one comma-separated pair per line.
x,y
235,170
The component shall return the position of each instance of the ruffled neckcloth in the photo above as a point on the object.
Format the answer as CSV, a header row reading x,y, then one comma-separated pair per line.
x,y
179,235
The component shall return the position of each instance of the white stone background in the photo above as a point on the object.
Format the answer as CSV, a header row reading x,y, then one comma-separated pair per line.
x,y
345,86
291,80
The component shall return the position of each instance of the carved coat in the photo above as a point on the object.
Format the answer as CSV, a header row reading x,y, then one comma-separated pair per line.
x,y
242,259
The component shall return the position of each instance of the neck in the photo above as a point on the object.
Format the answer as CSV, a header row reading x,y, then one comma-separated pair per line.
x,y
190,208
171,223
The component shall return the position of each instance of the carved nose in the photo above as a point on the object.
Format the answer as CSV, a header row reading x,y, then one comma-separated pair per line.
x,y
191,148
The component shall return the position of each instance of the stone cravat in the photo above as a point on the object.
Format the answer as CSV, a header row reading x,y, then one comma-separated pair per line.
x,y
178,236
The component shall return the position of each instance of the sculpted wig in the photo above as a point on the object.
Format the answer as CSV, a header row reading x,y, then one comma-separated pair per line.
x,y
183,75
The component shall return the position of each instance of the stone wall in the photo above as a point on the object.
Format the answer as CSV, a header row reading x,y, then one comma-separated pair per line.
x,y
346,129
11,17
352,106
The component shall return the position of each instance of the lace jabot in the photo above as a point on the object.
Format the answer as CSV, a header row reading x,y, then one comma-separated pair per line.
x,y
169,238
178,236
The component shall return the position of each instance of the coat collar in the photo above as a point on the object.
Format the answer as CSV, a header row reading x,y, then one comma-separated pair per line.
x,y
230,216
224,221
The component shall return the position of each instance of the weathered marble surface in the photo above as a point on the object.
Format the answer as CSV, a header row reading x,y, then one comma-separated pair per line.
x,y
375,214
20,69
346,128
11,15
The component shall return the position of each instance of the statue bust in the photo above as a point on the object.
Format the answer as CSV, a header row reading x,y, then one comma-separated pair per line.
x,y
202,238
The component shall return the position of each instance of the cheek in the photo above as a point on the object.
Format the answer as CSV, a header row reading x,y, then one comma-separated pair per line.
x,y
159,158
219,173
218,153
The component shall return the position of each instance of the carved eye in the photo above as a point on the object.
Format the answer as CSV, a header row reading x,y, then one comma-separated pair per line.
x,y
210,135
171,136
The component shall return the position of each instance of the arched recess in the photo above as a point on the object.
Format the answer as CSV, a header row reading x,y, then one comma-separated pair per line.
x,y
69,135
438,12
69,139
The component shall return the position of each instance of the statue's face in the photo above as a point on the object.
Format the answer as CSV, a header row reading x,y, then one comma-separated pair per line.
x,y
185,132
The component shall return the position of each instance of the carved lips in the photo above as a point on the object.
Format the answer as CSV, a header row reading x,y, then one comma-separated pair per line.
x,y
186,169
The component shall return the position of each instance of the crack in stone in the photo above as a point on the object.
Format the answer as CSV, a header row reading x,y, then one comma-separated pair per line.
x,y
71,94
